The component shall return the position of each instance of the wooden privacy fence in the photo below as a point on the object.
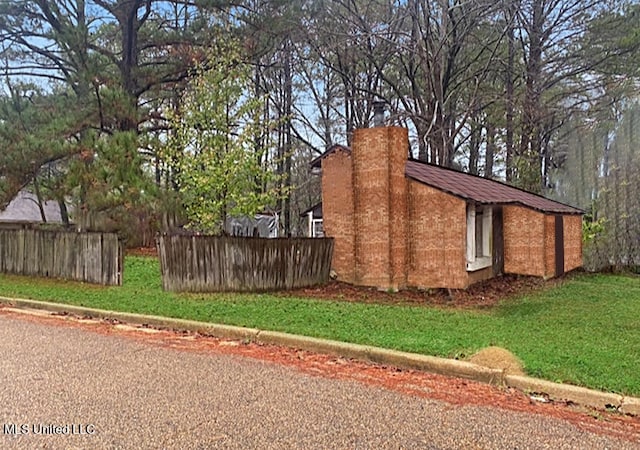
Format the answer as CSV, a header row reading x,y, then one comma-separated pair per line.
x,y
90,257
211,264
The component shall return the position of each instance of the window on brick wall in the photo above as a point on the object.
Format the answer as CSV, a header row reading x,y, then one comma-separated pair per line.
x,y
479,237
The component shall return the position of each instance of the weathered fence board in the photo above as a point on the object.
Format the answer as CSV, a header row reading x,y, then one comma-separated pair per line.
x,y
91,257
212,264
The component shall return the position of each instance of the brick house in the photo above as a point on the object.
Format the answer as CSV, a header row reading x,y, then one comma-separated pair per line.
x,y
404,223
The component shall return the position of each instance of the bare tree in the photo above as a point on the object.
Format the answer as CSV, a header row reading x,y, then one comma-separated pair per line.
x,y
556,78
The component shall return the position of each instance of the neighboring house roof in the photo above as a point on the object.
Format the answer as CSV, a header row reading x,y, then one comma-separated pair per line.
x,y
316,209
482,190
24,208
470,187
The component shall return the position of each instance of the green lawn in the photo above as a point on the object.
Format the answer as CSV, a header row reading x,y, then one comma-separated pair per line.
x,y
585,331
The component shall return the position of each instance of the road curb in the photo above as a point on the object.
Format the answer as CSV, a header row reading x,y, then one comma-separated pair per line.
x,y
451,367
218,330
566,392
631,406
461,369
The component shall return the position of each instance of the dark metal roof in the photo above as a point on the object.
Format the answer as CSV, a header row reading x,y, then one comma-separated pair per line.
x,y
316,209
470,187
482,190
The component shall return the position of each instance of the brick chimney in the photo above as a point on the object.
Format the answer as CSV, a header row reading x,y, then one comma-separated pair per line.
x,y
379,156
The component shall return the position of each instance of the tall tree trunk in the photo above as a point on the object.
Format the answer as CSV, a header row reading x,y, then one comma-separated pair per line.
x,y
64,212
474,146
509,88
491,151
127,14
39,200
530,151
288,99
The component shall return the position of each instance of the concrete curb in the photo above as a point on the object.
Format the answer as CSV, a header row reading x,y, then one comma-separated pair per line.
x,y
222,331
461,369
574,394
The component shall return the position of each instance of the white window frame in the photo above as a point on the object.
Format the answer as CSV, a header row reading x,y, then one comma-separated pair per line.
x,y
317,228
313,226
474,261
310,224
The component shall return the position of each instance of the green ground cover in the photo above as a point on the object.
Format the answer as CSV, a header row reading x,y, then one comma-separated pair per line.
x,y
585,331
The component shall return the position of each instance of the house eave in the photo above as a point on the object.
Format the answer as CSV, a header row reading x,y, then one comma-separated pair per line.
x,y
316,163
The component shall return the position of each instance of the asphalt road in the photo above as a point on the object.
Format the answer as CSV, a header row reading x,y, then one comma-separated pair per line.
x,y
69,388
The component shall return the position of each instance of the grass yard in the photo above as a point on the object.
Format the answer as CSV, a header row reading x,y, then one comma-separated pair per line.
x,y
585,331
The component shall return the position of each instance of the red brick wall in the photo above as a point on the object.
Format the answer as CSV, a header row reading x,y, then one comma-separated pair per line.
x,y
549,246
437,242
572,242
337,211
529,241
379,158
398,142
524,241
